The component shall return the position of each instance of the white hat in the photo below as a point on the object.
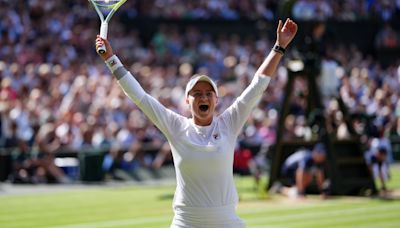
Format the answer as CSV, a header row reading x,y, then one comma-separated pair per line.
x,y
200,78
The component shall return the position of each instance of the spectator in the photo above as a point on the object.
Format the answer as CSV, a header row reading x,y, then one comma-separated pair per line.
x,y
304,10
23,169
119,165
387,38
47,144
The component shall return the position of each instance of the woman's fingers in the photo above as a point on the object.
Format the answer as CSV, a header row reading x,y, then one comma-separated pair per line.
x,y
292,26
289,26
99,41
286,32
285,25
279,27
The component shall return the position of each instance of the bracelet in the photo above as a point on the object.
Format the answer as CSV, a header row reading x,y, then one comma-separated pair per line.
x,y
279,49
113,63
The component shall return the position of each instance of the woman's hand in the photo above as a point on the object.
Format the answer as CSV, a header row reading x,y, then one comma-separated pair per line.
x,y
285,32
109,52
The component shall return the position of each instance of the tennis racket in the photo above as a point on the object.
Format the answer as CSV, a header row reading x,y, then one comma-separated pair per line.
x,y
103,8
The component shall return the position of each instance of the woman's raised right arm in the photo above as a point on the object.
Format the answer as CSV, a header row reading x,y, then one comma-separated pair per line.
x,y
128,83
165,120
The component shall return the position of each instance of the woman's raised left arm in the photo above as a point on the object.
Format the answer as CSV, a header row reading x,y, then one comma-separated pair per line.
x,y
284,35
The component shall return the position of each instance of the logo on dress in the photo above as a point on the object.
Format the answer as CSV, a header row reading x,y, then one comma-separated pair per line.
x,y
216,136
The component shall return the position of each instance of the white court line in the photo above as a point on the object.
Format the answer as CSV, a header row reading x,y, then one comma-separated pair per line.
x,y
295,207
340,221
114,223
381,225
275,219
309,215
330,223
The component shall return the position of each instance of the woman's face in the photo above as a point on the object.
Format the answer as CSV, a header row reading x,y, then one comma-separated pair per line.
x,y
202,101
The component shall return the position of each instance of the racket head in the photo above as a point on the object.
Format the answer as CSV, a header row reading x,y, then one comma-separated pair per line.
x,y
110,4
106,7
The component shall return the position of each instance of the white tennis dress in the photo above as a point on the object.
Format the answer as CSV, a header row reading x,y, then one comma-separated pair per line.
x,y
205,194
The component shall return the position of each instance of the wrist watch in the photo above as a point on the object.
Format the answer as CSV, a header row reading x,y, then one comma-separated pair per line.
x,y
279,49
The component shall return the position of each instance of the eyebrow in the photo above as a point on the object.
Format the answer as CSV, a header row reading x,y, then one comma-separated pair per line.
x,y
197,90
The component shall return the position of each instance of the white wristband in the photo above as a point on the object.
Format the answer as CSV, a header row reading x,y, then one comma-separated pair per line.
x,y
113,63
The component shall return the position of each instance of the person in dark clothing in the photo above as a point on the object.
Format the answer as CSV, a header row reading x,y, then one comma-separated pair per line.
x,y
24,169
378,165
299,170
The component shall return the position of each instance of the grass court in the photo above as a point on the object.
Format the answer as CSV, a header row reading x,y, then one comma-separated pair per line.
x,y
150,207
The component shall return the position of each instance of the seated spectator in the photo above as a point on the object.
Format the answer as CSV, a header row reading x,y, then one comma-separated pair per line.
x,y
146,151
47,145
27,170
387,38
150,150
118,166
378,165
163,155
24,170
299,170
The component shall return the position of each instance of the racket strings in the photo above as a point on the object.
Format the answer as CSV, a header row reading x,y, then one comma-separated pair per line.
x,y
109,4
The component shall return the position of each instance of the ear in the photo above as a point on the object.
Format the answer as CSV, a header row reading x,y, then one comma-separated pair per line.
x,y
187,100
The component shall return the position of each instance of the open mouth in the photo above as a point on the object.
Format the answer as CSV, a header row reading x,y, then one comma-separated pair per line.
x,y
203,107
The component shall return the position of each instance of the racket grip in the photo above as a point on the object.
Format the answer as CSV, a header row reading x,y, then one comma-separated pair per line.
x,y
103,34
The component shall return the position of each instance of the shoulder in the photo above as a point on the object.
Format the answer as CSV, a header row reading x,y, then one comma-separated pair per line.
x,y
303,153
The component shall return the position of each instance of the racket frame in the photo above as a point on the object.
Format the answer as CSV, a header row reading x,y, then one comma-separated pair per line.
x,y
104,21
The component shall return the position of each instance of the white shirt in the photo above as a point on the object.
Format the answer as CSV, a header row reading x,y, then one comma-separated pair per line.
x,y
203,155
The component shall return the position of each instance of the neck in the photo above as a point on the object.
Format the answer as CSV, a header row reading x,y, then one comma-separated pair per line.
x,y
202,121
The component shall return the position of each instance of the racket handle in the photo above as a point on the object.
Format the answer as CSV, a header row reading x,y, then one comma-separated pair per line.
x,y
103,34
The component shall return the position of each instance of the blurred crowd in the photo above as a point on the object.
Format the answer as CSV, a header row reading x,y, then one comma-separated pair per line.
x,y
343,10
57,95
346,10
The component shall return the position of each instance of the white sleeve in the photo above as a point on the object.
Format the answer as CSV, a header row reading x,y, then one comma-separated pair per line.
x,y
237,114
165,119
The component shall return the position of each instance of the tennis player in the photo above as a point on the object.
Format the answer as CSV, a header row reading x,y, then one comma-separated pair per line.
x,y
202,146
